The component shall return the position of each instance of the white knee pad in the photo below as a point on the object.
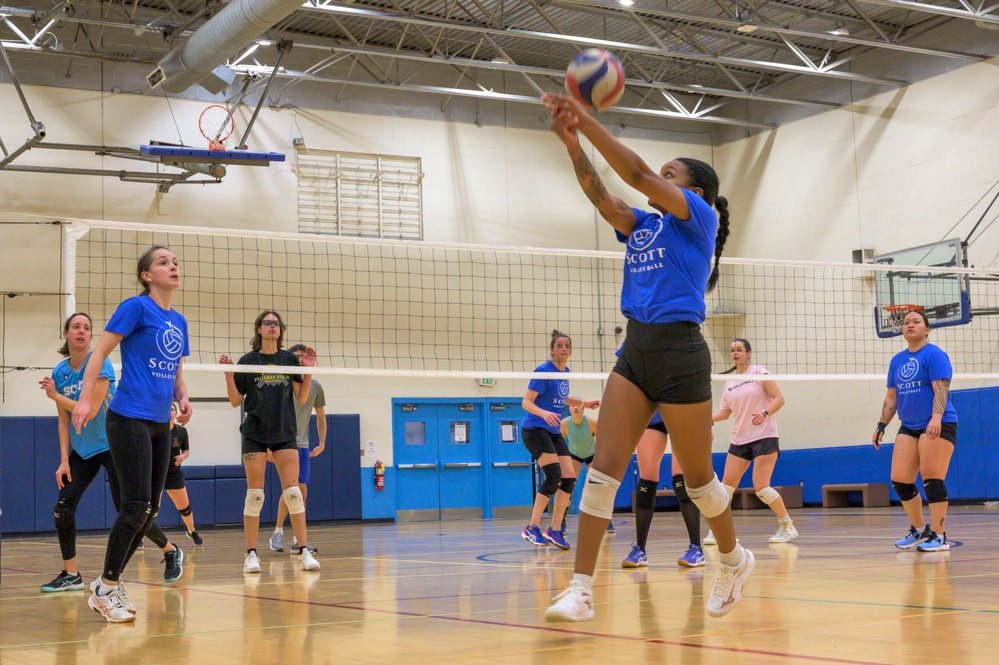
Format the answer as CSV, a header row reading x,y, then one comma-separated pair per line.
x,y
293,499
254,503
768,495
598,494
730,490
712,499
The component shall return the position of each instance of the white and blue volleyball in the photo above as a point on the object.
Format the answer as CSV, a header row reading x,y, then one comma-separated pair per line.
x,y
595,78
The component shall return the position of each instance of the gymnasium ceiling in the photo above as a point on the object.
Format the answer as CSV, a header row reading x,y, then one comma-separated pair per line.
x,y
696,61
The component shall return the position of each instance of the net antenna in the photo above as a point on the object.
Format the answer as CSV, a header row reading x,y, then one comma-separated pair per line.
x,y
216,125
895,316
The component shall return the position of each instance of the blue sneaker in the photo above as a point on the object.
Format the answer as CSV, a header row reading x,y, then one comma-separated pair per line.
x,y
532,534
914,537
636,559
935,544
556,538
610,528
694,557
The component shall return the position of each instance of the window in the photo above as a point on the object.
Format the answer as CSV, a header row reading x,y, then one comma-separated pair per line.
x,y
360,195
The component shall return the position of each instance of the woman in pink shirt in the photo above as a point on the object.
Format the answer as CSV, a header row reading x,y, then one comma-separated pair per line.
x,y
754,435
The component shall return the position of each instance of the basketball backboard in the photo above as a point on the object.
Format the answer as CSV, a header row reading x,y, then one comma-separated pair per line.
x,y
919,283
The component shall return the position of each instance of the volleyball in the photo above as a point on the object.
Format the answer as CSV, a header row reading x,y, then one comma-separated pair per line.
x,y
595,78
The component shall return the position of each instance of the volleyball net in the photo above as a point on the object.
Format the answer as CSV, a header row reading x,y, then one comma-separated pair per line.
x,y
425,309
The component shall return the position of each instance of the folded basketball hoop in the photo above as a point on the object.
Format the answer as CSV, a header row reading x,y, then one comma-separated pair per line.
x,y
216,125
896,315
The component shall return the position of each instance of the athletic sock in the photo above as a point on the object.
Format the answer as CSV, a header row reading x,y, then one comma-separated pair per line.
x,y
104,589
733,558
252,550
784,520
585,580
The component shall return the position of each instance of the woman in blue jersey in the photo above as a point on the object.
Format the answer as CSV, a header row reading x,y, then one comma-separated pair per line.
x,y
81,455
665,363
919,391
650,451
540,432
270,426
154,341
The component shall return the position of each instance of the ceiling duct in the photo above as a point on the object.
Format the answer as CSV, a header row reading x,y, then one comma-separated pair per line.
x,y
199,60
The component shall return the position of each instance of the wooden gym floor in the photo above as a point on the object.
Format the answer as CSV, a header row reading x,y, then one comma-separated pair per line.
x,y
475,592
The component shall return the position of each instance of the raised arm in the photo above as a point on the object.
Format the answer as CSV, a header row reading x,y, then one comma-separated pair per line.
x,y
66,404
611,208
232,392
303,388
625,162
83,412
888,409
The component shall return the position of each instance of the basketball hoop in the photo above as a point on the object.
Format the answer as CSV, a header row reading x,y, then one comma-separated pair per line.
x,y
896,315
216,125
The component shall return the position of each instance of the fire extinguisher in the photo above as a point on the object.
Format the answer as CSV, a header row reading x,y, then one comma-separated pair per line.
x,y
379,476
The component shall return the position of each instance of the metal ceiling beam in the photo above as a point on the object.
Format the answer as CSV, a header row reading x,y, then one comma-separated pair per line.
x,y
557,73
575,40
496,96
984,15
767,27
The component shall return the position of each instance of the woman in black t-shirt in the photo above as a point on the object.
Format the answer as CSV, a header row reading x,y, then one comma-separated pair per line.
x,y
269,424
176,489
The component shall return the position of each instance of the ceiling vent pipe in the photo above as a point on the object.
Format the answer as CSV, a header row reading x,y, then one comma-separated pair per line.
x,y
199,60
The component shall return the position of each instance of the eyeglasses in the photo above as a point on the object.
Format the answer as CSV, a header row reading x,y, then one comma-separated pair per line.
x,y
271,324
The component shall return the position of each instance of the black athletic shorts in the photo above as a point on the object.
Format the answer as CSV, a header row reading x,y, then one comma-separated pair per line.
x,y
175,478
659,427
669,362
948,431
250,446
753,449
538,440
582,460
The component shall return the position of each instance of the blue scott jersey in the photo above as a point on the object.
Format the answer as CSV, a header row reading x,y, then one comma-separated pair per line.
x,y
911,375
154,342
667,264
68,382
551,397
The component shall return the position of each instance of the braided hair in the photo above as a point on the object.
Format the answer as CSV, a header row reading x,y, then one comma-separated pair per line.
x,y
704,177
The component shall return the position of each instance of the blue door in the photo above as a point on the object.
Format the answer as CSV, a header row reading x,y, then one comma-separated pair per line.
x,y
510,493
438,448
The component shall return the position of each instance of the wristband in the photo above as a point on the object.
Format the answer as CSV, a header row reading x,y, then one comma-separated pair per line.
x,y
881,427
765,413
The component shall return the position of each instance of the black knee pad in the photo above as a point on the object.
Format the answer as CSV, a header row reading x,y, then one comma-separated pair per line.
x,y
65,517
680,488
645,493
187,511
905,491
936,491
553,476
566,485
134,515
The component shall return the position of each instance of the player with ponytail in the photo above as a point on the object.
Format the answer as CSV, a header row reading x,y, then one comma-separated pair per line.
x,y
671,260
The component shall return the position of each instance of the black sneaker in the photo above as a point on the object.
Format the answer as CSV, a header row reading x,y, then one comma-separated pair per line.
x,y
64,582
174,565
195,537
296,549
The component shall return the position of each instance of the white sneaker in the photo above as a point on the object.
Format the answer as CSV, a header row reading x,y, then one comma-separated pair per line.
x,y
122,596
251,563
308,561
727,588
573,604
709,539
784,533
109,606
